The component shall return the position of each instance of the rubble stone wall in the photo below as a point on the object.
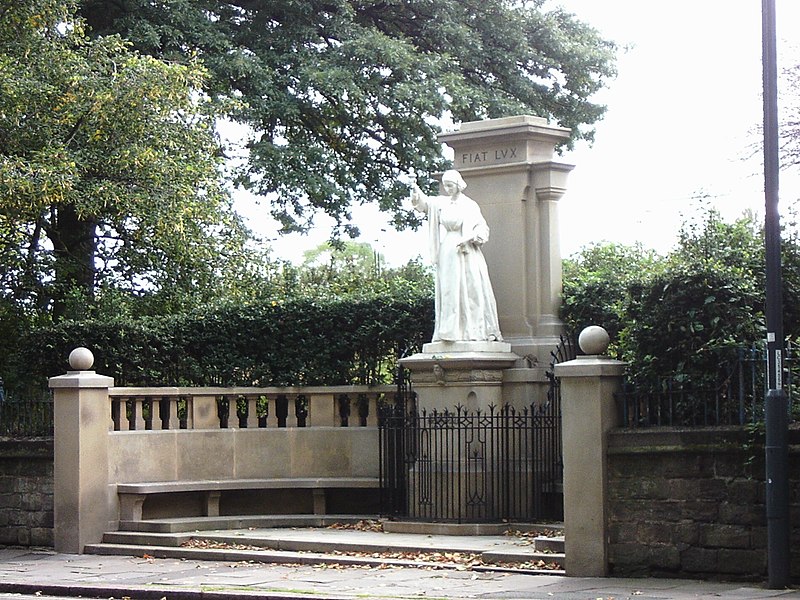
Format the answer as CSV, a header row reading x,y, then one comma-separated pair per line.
x,y
691,503
26,492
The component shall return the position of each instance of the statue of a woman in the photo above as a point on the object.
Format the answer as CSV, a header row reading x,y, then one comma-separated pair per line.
x,y
465,304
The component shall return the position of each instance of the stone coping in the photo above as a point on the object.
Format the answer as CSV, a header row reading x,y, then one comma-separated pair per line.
x,y
160,487
590,366
460,360
126,392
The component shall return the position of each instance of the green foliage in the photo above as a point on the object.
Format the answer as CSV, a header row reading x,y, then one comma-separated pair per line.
x,y
345,265
294,329
680,316
353,270
343,95
790,267
597,282
109,170
711,241
302,341
688,320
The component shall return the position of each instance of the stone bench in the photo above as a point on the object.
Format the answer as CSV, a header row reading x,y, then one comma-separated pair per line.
x,y
133,495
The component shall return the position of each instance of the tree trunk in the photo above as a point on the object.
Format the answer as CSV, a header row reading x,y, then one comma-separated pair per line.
x,y
74,244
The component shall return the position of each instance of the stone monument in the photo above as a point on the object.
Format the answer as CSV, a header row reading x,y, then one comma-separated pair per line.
x,y
507,165
510,168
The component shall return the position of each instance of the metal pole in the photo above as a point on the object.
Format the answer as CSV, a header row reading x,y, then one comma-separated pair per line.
x,y
776,407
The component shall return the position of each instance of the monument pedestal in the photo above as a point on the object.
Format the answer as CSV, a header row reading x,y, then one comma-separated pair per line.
x,y
447,375
467,374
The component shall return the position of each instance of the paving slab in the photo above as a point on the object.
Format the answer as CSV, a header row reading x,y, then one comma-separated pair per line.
x,y
28,571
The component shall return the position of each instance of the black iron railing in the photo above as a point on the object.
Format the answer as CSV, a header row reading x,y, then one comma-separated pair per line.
x,y
28,417
472,466
735,396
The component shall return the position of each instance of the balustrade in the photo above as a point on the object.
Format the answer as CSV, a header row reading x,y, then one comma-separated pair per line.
x,y
139,409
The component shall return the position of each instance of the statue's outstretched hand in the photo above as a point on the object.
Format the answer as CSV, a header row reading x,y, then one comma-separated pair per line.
x,y
416,195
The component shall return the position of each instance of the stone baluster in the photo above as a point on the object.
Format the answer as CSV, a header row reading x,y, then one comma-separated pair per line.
x,y
156,416
252,412
124,421
137,407
372,415
172,413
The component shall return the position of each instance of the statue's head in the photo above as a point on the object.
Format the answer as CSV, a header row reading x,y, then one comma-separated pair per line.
x,y
454,176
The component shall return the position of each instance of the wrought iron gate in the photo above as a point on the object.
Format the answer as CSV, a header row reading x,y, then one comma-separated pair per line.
x,y
468,467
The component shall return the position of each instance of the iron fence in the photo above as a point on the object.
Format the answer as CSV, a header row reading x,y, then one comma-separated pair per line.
x,y
26,417
472,466
735,396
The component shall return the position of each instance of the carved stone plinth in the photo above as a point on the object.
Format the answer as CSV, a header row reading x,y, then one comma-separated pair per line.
x,y
468,374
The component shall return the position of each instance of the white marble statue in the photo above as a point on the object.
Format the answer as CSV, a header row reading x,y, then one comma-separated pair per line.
x,y
465,306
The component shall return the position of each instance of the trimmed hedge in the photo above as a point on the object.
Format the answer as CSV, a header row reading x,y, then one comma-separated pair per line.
x,y
295,342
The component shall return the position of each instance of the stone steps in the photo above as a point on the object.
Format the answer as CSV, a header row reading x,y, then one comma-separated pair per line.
x,y
184,524
308,539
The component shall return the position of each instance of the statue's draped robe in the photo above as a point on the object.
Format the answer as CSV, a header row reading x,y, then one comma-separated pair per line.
x,y
465,304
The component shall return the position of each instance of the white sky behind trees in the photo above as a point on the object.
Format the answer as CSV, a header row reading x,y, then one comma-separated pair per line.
x,y
683,120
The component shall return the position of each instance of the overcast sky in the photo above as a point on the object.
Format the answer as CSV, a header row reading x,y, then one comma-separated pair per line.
x,y
682,120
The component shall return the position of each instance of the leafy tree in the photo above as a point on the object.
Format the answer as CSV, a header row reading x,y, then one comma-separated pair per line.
x,y
709,301
597,283
357,260
109,170
342,95
710,240
688,320
680,316
789,131
354,270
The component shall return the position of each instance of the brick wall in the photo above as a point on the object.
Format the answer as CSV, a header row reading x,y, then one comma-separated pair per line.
x,y
691,503
26,492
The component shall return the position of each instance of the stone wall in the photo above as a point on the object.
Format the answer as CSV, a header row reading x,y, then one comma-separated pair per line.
x,y
691,503
26,492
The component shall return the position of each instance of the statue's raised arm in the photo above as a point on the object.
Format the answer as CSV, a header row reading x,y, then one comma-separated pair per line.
x,y
418,198
465,306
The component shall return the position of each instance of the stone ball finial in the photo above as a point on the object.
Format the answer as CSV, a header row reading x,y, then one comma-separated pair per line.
x,y
81,359
594,340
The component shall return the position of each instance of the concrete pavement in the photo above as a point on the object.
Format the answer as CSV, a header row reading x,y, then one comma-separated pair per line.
x,y
43,572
